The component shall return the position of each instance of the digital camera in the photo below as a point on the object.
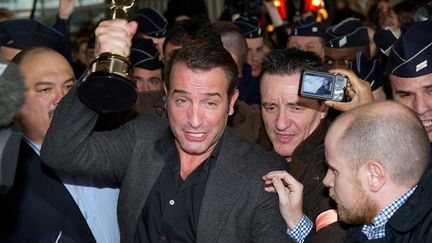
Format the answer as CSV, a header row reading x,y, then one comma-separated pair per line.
x,y
322,85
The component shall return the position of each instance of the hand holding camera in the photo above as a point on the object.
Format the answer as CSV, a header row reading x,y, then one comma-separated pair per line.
x,y
323,85
358,91
341,88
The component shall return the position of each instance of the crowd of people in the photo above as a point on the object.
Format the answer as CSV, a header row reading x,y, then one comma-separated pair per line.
x,y
220,145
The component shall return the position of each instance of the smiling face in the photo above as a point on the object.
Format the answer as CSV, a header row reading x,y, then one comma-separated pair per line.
x,y
288,118
416,93
48,78
198,107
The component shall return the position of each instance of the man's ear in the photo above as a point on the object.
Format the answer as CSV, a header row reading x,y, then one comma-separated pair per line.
x,y
376,175
232,101
324,110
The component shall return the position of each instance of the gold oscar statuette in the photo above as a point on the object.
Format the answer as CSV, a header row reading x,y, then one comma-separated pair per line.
x,y
108,85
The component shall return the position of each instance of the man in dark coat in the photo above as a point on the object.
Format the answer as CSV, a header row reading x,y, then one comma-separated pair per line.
x,y
41,203
296,127
379,175
191,181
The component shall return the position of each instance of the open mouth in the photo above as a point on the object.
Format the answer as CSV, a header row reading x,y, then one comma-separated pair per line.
x,y
427,123
196,135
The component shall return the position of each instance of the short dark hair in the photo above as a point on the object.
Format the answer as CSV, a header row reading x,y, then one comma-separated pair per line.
x,y
234,40
190,30
204,56
291,61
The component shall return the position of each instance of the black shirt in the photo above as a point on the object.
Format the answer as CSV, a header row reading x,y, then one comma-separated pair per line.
x,y
173,205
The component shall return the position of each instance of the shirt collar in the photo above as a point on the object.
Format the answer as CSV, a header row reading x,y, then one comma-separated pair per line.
x,y
165,145
36,147
377,229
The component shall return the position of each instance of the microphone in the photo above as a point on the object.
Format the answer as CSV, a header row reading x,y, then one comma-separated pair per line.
x,y
12,91
12,96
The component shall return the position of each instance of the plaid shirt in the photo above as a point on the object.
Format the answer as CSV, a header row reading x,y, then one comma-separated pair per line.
x,y
372,231
301,230
377,230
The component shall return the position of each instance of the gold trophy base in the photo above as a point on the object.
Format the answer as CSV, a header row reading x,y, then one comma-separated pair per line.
x,y
108,86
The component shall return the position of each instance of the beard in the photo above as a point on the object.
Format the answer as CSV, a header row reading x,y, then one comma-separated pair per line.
x,y
363,212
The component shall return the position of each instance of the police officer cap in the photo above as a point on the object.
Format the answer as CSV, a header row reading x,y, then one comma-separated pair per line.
x,y
348,33
307,26
145,55
249,26
369,70
384,39
25,33
150,22
411,55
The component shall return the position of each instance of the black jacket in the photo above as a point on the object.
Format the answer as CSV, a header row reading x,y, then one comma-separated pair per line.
x,y
39,208
308,166
412,222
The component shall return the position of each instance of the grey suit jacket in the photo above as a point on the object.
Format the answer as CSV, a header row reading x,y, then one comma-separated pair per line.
x,y
235,207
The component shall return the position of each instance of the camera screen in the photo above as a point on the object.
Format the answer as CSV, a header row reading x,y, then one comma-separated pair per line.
x,y
318,85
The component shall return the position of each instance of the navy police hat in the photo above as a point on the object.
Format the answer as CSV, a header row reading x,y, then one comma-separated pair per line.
x,y
145,55
384,39
368,70
411,55
25,33
348,33
307,26
150,22
249,27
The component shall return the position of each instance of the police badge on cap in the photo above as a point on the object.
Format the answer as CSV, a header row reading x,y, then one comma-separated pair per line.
x,y
411,55
348,33
307,26
150,22
249,27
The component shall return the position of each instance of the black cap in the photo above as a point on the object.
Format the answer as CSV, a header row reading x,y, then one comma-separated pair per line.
x,y
307,26
411,55
369,70
150,22
384,39
25,33
249,26
144,55
348,33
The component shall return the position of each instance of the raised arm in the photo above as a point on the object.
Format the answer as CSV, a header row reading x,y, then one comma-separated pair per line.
x,y
359,91
70,144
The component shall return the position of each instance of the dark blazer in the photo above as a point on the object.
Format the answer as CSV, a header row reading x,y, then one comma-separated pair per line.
x,y
235,207
38,206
